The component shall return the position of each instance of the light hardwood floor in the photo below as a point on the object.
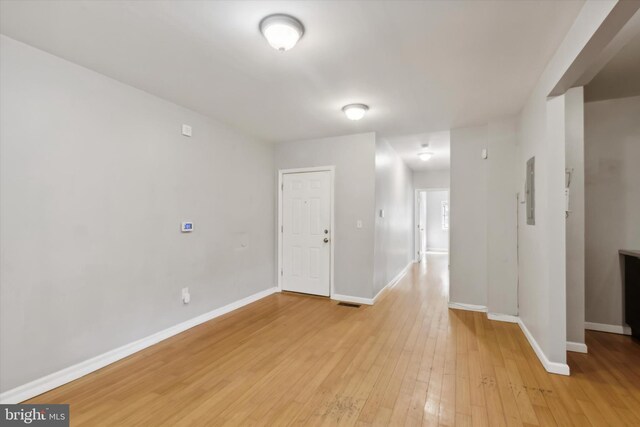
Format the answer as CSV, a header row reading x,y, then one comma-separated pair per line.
x,y
408,360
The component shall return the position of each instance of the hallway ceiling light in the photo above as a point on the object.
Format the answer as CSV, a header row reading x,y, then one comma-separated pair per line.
x,y
355,111
425,156
281,31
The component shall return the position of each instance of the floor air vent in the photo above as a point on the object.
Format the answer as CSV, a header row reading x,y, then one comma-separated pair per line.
x,y
348,304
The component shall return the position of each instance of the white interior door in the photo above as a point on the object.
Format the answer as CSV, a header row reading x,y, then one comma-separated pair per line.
x,y
306,232
423,223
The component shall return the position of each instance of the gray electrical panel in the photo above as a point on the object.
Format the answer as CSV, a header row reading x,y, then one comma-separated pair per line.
x,y
530,189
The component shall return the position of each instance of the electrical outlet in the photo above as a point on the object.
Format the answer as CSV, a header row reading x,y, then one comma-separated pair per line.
x,y
186,296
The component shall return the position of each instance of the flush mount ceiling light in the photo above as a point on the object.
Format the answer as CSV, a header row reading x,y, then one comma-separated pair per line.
x,y
355,111
425,156
281,31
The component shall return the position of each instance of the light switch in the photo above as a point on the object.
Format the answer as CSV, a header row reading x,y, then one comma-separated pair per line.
x,y
381,213
186,130
359,223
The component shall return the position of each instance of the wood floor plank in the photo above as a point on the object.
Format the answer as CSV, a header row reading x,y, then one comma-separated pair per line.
x,y
291,359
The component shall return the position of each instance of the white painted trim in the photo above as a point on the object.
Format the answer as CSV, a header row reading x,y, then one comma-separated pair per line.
x,y
576,347
332,174
503,317
63,376
395,280
612,329
467,307
552,367
438,250
354,300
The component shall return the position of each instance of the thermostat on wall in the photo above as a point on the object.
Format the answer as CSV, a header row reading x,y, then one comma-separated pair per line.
x,y
187,227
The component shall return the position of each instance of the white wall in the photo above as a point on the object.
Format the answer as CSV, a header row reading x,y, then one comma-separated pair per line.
x,y
431,179
612,178
437,238
393,233
468,217
95,180
354,159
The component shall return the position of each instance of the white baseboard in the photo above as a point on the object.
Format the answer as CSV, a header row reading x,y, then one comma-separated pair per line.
x,y
503,317
549,366
394,281
56,379
576,347
467,307
371,301
352,299
552,367
603,327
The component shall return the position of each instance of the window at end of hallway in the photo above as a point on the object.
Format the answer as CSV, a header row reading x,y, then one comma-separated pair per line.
x,y
445,215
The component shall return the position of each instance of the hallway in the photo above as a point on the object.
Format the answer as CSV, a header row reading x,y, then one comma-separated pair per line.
x,y
408,360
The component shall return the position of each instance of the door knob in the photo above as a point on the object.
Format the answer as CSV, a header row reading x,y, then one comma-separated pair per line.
x,y
326,231
326,240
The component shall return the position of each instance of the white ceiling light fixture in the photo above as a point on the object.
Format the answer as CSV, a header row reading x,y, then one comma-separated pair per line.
x,y
355,111
281,31
425,156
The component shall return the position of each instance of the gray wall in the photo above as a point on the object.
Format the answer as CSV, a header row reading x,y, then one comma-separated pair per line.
x,y
393,233
95,179
612,178
542,257
354,159
468,216
483,239
431,179
502,207
437,238
574,160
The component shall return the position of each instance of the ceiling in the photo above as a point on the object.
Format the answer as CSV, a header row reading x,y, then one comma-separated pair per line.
x,y
620,77
422,66
408,147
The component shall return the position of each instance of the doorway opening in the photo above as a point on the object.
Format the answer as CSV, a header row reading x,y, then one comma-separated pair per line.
x,y
432,222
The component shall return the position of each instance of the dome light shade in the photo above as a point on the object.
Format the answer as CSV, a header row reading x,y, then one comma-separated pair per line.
x,y
425,156
355,111
281,31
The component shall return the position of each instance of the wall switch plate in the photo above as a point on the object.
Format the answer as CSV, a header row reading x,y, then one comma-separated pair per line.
x,y
359,223
187,227
186,296
485,153
381,213
186,130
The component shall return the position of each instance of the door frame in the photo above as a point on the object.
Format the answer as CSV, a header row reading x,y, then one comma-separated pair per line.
x,y
416,215
332,172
